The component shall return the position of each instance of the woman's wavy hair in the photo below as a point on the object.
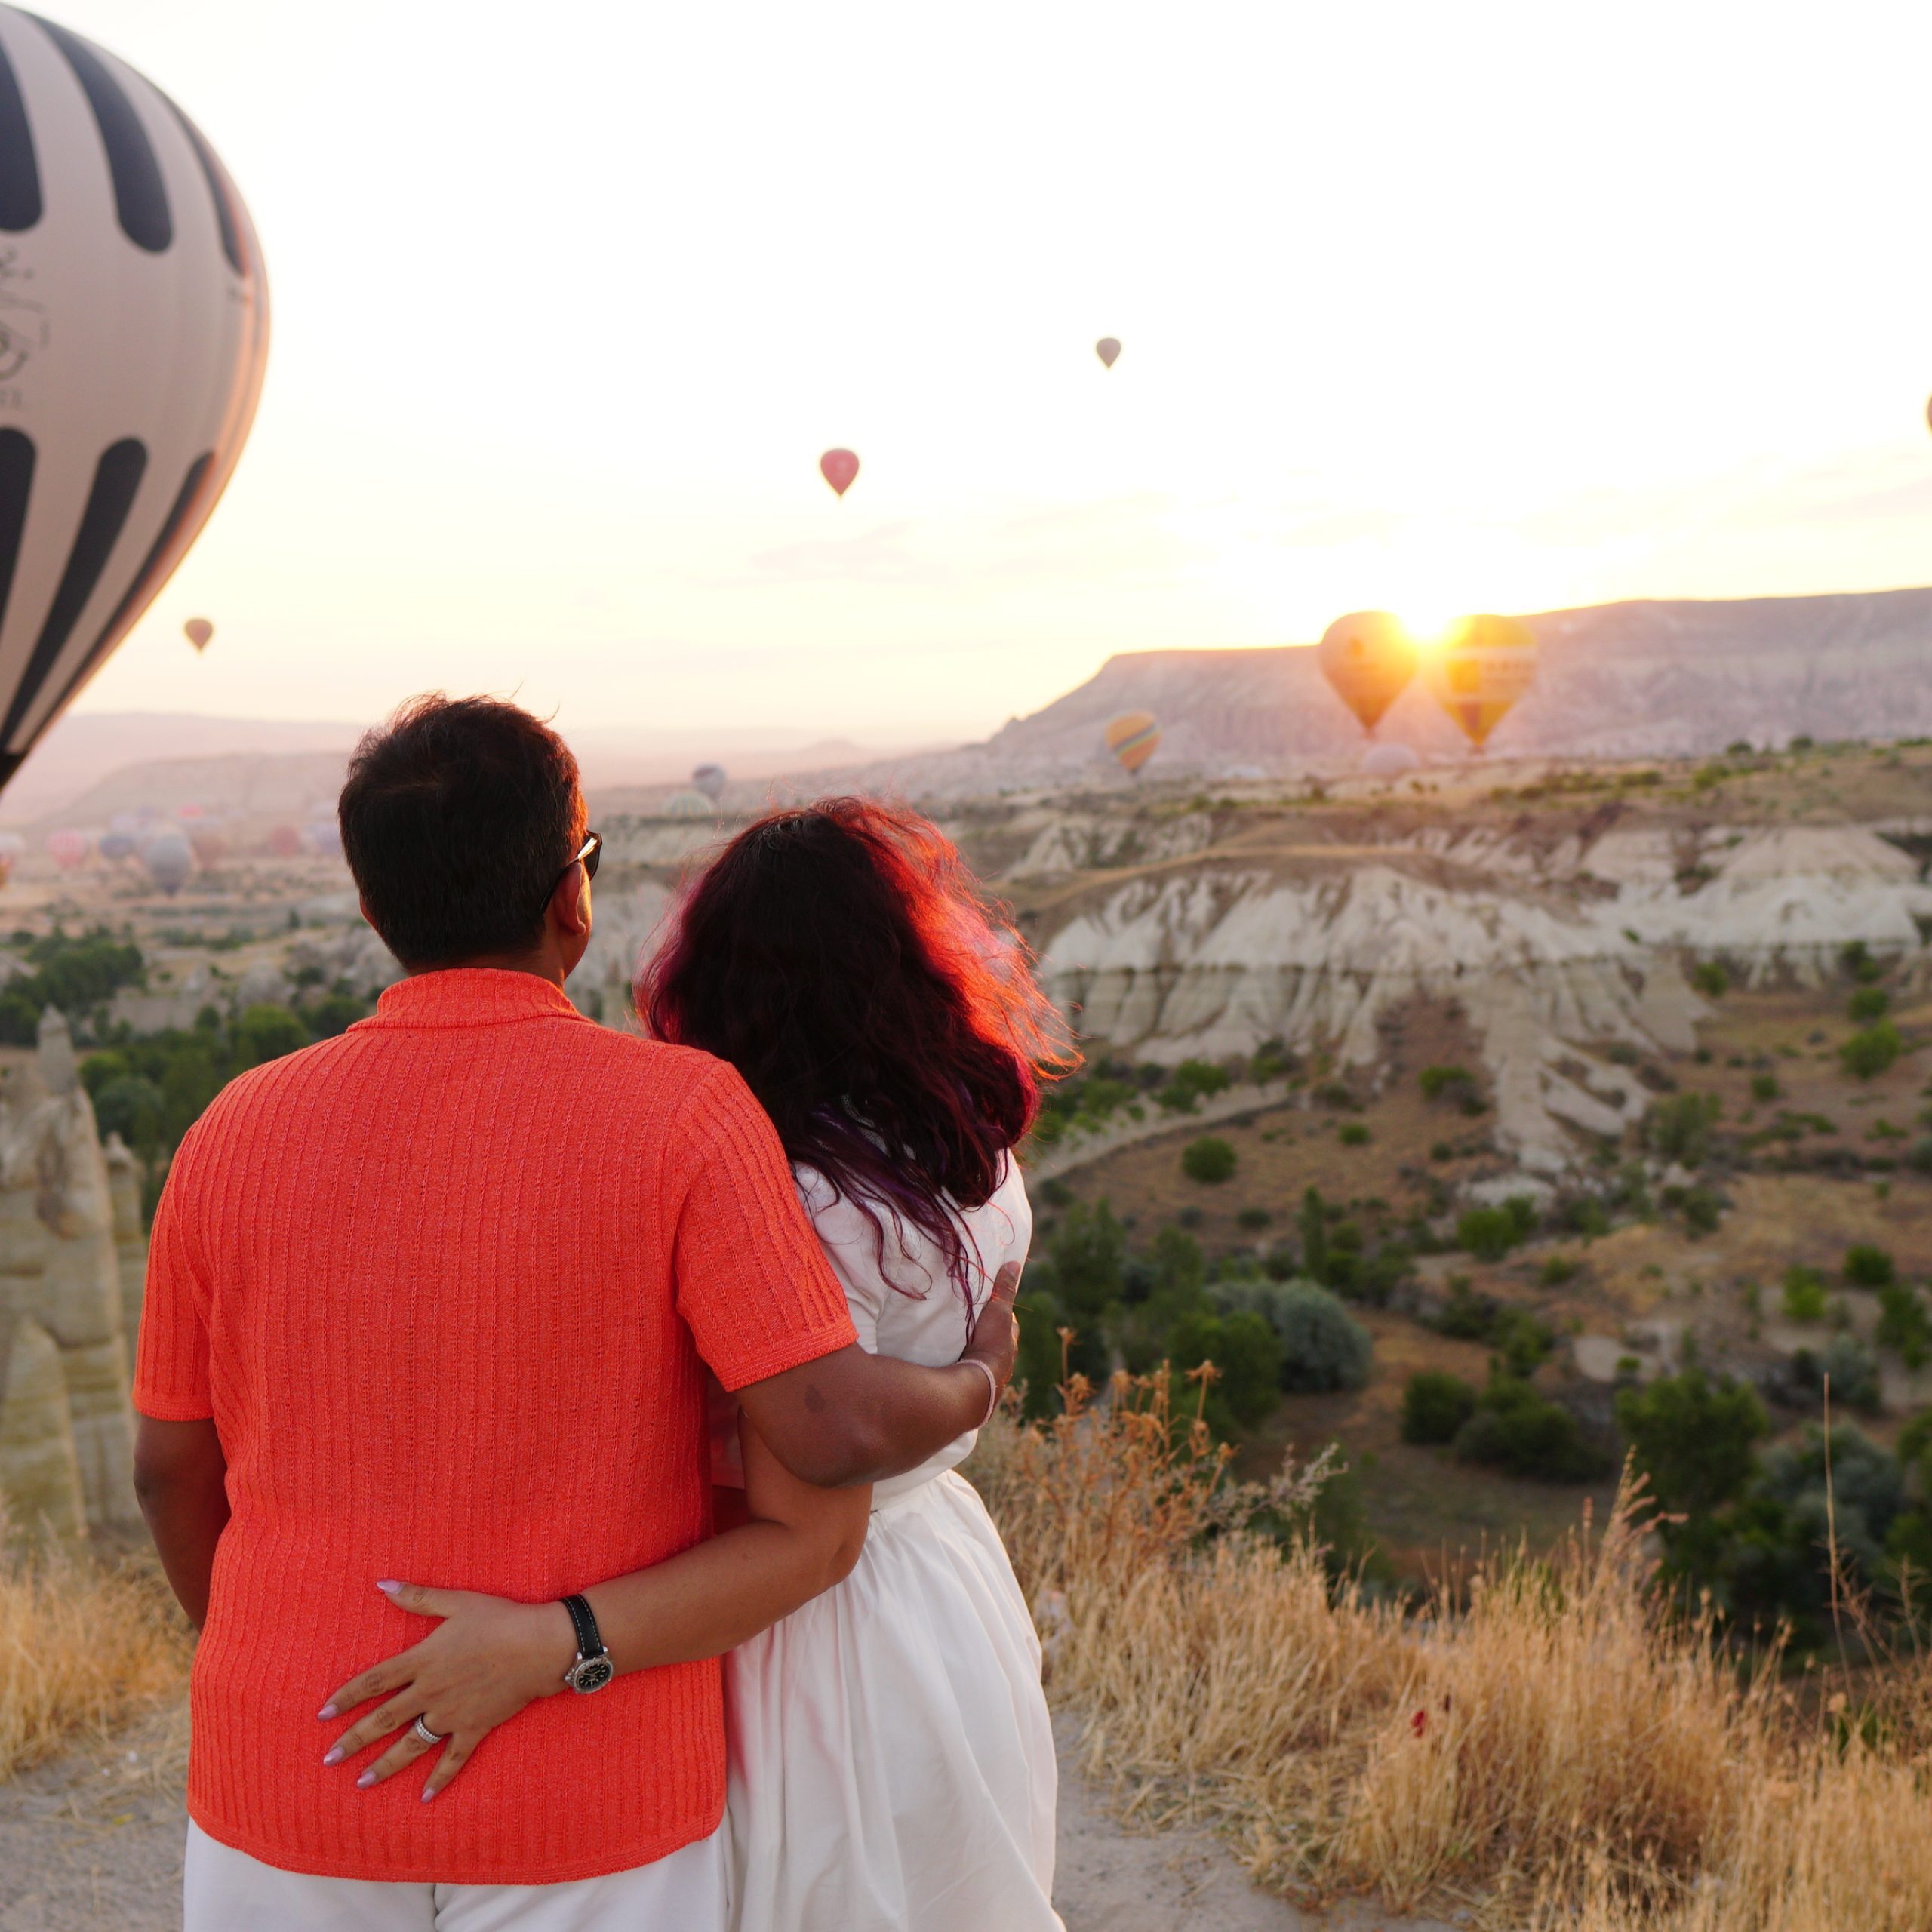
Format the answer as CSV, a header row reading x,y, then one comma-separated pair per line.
x,y
884,1011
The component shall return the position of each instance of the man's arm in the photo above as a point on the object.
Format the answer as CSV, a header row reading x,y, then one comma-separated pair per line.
x,y
180,1478
851,1418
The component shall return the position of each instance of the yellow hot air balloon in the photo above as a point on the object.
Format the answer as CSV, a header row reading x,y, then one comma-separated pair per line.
x,y
1133,737
1369,657
1485,665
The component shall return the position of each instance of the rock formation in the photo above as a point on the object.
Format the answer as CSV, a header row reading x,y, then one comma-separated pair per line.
x,y
71,1252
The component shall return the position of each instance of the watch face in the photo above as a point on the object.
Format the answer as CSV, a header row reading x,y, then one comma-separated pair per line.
x,y
591,1674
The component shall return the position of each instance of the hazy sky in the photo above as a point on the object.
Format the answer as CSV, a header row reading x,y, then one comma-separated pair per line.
x,y
1492,306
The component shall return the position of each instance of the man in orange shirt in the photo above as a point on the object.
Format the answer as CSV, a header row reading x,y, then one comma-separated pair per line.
x,y
435,1300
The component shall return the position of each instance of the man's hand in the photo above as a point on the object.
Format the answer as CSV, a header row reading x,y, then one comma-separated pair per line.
x,y
851,1418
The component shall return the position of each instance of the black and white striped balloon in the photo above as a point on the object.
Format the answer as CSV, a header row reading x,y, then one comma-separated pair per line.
x,y
134,331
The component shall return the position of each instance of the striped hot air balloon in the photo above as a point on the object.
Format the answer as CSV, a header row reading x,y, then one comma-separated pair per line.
x,y
1133,738
133,330
1485,665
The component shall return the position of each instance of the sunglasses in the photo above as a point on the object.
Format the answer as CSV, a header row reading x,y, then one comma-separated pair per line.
x,y
587,855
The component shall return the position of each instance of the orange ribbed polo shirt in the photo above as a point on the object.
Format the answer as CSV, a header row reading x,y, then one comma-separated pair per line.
x,y
446,1285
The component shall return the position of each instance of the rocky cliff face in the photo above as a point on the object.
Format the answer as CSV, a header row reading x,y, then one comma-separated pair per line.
x,y
70,1241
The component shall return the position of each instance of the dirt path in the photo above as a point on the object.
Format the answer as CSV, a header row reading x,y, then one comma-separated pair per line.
x,y
93,1842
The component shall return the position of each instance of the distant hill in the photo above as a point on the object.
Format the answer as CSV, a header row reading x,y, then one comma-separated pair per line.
x,y
1649,679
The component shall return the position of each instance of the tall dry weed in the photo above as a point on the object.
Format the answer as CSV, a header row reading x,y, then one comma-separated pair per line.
x,y
86,1644
1546,1743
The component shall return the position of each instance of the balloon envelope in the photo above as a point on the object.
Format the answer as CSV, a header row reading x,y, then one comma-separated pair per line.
x,y
323,836
1133,737
1108,349
1485,664
134,329
198,631
1389,760
710,780
210,848
67,849
168,861
838,467
685,804
284,841
117,845
1369,657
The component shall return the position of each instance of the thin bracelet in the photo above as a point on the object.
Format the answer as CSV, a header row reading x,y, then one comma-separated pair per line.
x,y
993,1387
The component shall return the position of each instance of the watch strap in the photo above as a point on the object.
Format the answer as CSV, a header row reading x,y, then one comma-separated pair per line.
x,y
589,1640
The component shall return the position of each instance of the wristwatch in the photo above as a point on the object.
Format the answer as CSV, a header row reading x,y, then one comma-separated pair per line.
x,y
593,1668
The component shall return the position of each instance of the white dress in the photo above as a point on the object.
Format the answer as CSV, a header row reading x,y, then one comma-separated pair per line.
x,y
891,1759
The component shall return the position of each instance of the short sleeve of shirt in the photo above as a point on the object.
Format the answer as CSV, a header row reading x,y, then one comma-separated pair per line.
x,y
171,1380
753,1284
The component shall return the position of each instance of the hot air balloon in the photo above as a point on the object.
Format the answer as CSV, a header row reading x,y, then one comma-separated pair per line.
x,y
1389,760
68,849
709,779
284,841
1133,738
323,836
838,467
210,849
685,804
117,845
1369,658
168,862
198,631
1485,664
1108,349
133,328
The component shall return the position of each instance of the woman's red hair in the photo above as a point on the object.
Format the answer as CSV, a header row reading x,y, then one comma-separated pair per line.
x,y
884,1012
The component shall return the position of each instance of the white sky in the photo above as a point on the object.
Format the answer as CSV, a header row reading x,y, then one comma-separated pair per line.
x,y
1487,306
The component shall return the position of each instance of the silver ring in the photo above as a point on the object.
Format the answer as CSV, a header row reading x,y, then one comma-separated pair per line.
x,y
428,1736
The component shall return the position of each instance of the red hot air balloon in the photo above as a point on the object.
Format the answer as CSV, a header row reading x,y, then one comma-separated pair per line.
x,y
198,631
1108,349
838,467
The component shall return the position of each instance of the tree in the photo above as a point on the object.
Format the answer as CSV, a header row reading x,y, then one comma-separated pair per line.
x,y
1695,1439
1315,1235
1435,1405
1323,1346
1868,1054
1247,1354
1089,1254
1210,1160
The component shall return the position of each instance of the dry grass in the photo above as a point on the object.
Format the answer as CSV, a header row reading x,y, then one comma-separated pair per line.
x,y
1546,1746
86,1644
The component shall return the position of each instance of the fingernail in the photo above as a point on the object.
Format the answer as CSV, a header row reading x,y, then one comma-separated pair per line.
x,y
365,1781
427,1795
325,1713
333,1756
388,1589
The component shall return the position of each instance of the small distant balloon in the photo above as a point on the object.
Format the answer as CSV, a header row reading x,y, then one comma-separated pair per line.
x,y
1133,738
838,467
67,849
117,845
169,862
1369,657
685,804
323,836
284,841
1484,666
710,780
1108,349
210,848
198,631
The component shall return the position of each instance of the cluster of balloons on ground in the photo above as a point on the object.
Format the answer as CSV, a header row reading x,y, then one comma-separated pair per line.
x,y
168,851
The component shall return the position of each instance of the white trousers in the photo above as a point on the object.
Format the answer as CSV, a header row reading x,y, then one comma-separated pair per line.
x,y
226,1891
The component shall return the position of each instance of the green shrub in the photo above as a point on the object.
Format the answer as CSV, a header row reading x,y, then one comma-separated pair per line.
x,y
1866,1266
1489,1233
1189,1084
1435,1405
1323,1347
1515,1429
1558,1269
1868,1004
1334,1093
1254,1219
1903,1326
1803,1294
130,1105
1210,1160
1868,1054
1764,1087
1437,1081
1352,1133
1245,1350
1088,1253
1441,1151
1696,1439
1710,979
1679,1128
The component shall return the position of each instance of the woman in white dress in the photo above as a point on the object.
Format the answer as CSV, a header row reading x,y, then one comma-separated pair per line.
x,y
891,1762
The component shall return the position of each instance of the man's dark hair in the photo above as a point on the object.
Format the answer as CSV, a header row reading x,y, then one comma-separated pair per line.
x,y
459,817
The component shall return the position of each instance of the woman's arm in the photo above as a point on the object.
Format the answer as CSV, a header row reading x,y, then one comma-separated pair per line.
x,y
490,1657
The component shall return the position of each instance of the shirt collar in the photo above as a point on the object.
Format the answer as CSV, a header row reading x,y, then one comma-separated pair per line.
x,y
470,996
